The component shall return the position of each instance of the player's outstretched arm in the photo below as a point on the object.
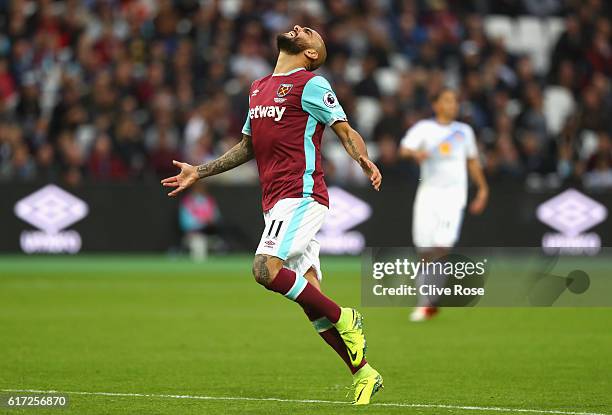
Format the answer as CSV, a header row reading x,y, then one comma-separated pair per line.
x,y
482,196
417,155
234,157
355,146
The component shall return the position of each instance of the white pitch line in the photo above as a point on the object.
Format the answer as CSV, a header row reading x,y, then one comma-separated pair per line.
x,y
242,398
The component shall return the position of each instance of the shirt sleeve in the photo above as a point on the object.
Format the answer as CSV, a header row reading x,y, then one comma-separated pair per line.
x,y
413,139
319,100
246,128
472,149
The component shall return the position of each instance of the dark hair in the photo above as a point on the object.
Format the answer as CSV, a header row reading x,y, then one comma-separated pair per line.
x,y
436,95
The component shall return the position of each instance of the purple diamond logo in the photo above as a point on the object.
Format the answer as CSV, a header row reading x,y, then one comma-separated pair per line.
x,y
345,211
51,209
571,212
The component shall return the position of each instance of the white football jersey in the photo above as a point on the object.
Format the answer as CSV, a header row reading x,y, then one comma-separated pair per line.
x,y
448,146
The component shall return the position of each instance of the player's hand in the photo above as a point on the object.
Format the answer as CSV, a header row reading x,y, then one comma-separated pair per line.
x,y
371,171
187,177
421,156
480,202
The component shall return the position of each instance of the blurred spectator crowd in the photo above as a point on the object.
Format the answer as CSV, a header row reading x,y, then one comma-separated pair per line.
x,y
113,90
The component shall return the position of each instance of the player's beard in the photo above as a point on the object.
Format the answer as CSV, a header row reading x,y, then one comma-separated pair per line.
x,y
290,45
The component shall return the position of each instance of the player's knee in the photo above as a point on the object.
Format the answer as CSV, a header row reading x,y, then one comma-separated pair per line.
x,y
265,269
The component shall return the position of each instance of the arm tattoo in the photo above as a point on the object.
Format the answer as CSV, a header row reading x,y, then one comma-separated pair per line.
x,y
351,148
237,155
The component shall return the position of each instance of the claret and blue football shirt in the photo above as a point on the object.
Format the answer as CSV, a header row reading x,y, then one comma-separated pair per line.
x,y
287,115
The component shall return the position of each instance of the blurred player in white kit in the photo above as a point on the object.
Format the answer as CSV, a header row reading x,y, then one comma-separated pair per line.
x,y
446,151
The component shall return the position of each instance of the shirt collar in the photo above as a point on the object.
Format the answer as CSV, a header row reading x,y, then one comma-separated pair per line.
x,y
290,72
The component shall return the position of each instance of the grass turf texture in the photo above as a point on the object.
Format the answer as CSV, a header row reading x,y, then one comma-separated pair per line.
x,y
159,326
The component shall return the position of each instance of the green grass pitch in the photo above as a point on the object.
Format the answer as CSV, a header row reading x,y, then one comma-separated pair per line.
x,y
157,326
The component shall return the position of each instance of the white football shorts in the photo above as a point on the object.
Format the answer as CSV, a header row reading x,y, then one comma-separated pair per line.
x,y
436,219
289,233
